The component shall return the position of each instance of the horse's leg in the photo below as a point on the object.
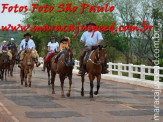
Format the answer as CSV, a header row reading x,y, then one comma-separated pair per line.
x,y
70,82
98,84
62,78
22,76
91,78
29,77
11,71
5,74
48,70
2,73
25,77
82,89
53,74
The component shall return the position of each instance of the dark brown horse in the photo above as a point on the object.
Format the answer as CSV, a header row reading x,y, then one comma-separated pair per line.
x,y
13,61
64,68
4,64
27,66
48,66
94,68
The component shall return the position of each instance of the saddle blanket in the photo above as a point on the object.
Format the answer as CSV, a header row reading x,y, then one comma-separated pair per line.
x,y
47,57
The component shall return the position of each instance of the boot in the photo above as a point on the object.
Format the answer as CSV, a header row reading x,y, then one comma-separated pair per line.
x,y
19,64
80,72
37,62
44,67
104,69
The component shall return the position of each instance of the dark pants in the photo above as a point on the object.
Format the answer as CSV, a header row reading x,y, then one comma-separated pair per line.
x,y
87,50
58,55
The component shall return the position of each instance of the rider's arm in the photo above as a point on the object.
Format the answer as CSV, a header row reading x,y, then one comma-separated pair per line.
x,y
32,44
49,49
21,45
98,42
99,38
82,40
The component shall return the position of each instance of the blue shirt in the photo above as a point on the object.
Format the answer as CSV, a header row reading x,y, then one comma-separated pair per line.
x,y
30,44
89,40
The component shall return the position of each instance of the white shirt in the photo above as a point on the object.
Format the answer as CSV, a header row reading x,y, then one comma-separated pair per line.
x,y
53,46
89,40
30,44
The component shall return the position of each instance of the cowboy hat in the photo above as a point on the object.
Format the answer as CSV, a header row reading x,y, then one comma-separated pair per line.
x,y
12,39
65,39
91,23
27,34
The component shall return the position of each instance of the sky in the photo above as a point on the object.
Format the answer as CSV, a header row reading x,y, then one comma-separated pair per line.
x,y
12,18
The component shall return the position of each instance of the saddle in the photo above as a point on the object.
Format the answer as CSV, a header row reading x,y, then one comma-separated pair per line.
x,y
89,51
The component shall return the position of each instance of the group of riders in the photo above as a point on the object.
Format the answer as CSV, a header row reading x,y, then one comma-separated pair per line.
x,y
89,38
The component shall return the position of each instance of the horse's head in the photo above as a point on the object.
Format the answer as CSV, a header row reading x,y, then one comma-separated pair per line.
x,y
5,58
100,54
29,56
68,57
14,51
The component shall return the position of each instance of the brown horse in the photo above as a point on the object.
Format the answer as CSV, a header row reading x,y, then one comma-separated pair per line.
x,y
94,68
48,66
13,61
27,66
64,68
4,64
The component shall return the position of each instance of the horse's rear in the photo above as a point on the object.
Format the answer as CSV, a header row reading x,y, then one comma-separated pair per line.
x,y
64,68
27,66
13,61
4,64
94,69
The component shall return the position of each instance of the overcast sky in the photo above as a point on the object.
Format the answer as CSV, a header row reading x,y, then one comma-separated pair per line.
x,y
12,18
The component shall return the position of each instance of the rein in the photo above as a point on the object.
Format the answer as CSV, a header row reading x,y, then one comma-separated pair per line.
x,y
64,61
92,60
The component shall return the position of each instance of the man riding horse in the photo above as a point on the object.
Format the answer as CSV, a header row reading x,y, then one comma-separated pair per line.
x,y
64,44
4,48
91,39
27,43
53,46
11,44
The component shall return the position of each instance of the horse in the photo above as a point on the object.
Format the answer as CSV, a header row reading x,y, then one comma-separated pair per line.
x,y
94,68
47,64
64,68
27,66
13,61
4,64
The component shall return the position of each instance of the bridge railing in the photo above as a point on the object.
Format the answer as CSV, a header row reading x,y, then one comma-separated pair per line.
x,y
132,71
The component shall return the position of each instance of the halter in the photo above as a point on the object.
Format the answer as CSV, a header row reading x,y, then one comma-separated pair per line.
x,y
95,58
64,61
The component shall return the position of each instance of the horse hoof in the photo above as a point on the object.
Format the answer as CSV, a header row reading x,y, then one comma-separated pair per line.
x,y
91,96
53,92
49,83
68,94
25,84
95,92
82,93
30,85
63,96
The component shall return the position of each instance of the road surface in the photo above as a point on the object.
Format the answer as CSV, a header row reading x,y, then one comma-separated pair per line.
x,y
116,102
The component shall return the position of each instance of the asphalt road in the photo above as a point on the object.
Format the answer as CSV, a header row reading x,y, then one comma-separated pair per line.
x,y
116,102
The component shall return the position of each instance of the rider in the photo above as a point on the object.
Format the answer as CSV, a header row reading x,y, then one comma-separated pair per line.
x,y
11,44
27,43
90,40
53,46
64,44
5,48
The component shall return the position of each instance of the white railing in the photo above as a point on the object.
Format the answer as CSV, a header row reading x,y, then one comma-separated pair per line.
x,y
129,70
126,73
